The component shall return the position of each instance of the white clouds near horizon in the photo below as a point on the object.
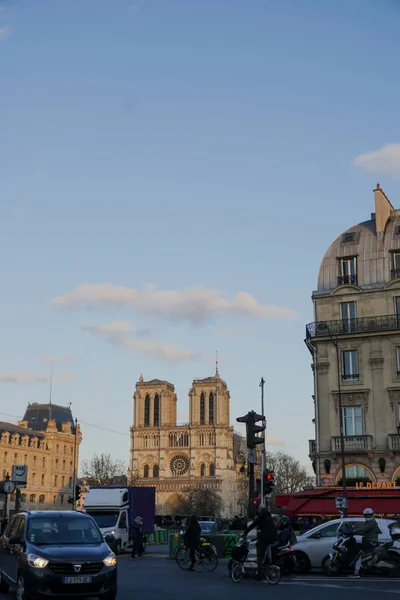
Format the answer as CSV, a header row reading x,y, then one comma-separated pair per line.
x,y
122,334
194,304
384,160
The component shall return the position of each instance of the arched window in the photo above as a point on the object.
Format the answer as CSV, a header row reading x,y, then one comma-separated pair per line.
x,y
211,409
146,471
212,470
23,497
202,470
155,471
355,473
32,498
156,410
147,411
202,409
41,499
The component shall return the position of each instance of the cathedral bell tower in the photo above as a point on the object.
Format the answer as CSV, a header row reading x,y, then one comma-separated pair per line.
x,y
209,401
155,404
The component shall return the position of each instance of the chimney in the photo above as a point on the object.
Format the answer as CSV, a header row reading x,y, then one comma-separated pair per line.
x,y
383,208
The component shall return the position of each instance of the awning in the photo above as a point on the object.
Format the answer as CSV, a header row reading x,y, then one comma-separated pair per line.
x,y
321,501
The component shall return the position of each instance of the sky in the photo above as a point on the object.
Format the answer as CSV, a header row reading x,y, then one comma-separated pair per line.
x,y
171,174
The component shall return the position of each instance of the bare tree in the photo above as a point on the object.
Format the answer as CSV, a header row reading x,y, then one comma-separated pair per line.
x,y
103,470
290,476
201,502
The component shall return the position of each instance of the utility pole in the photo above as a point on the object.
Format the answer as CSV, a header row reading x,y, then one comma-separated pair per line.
x,y
74,482
262,383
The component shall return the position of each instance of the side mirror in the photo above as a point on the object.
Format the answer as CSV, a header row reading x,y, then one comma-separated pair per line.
x,y
15,540
109,539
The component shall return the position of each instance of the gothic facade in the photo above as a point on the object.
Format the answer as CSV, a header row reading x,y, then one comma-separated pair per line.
x,y
203,453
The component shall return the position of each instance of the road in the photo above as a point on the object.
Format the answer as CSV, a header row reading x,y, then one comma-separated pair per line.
x,y
157,577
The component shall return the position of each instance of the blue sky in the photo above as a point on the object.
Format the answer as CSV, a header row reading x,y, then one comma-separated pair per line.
x,y
199,147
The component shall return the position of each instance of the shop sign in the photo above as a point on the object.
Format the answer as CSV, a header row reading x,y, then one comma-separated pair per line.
x,y
376,485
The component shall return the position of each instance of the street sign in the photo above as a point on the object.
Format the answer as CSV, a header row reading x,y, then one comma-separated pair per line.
x,y
20,475
252,457
341,503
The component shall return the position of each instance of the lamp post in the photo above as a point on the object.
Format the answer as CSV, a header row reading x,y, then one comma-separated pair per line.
x,y
74,480
322,326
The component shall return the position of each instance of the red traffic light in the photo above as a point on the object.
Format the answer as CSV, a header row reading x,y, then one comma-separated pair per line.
x,y
270,476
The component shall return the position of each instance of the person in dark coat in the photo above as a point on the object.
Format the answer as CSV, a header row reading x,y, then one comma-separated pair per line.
x,y
266,536
136,535
191,538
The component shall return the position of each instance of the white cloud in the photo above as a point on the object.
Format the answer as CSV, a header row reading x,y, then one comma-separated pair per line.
x,y
5,32
385,160
28,377
120,333
272,440
231,332
194,304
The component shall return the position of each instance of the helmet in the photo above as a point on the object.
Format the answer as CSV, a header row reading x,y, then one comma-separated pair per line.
x,y
368,513
285,521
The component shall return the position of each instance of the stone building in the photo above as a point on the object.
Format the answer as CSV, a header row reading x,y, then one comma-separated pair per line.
x,y
357,313
44,441
203,453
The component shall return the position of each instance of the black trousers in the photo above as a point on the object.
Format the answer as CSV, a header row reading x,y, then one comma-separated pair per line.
x,y
136,548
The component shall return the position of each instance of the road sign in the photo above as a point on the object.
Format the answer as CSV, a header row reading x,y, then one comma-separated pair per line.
x,y
20,475
252,457
341,503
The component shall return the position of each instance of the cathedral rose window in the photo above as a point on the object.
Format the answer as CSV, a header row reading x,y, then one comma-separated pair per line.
x,y
179,465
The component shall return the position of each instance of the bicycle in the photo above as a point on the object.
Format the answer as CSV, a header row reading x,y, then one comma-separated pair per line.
x,y
206,555
239,557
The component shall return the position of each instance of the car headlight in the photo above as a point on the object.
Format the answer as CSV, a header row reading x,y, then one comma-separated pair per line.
x,y
109,532
110,560
38,562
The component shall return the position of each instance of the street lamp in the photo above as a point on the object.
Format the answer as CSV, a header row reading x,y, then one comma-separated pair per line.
x,y
322,326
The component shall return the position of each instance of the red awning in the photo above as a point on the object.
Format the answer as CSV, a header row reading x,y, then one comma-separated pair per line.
x,y
321,501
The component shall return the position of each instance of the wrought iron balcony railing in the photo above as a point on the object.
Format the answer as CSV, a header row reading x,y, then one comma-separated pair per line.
x,y
347,280
312,446
394,441
353,326
352,443
395,274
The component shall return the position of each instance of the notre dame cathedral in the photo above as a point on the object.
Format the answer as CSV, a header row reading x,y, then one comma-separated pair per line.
x,y
203,453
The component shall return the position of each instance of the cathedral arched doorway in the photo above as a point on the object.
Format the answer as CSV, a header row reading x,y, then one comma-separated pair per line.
x,y
173,504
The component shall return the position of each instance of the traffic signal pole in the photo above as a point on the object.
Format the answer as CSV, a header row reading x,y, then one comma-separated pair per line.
x,y
262,382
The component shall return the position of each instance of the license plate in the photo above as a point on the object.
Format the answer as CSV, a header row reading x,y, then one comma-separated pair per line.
x,y
77,580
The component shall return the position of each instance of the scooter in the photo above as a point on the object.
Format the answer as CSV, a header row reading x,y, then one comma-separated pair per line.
x,y
285,559
382,558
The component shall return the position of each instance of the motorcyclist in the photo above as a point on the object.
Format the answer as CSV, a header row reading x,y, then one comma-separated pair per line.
x,y
370,532
266,535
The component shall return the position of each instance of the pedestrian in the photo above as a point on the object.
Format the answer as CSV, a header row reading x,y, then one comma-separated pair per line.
x,y
266,536
191,538
370,532
136,535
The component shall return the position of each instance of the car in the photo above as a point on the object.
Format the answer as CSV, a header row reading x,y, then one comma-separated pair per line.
x,y
208,527
312,547
56,553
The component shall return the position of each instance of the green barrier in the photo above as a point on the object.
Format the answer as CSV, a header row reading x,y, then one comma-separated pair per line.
x,y
158,537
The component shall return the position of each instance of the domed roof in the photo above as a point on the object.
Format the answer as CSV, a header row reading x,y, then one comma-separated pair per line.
x,y
371,243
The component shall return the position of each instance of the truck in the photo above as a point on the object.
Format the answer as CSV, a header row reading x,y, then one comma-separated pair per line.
x,y
115,508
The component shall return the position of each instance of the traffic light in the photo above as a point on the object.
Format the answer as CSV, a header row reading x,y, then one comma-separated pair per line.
x,y
256,501
252,430
77,492
269,482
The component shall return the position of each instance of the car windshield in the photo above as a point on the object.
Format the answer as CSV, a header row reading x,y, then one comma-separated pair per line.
x,y
62,530
105,518
206,526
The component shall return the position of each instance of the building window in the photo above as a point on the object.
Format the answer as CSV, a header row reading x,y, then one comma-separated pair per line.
x,y
202,409
41,499
147,411
155,471
34,461
352,420
43,462
348,316
15,458
33,478
357,472
202,470
70,482
32,498
56,463
211,409
395,265
57,448
63,481
63,465
62,499
398,361
156,410
71,465
65,449
55,480
5,457
212,470
347,271
25,459
42,479
146,471
350,365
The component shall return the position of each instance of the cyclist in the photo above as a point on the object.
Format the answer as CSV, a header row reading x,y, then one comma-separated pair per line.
x,y
266,536
191,538
370,532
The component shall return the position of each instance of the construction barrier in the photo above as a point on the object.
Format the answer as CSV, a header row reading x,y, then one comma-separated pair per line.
x,y
223,543
158,537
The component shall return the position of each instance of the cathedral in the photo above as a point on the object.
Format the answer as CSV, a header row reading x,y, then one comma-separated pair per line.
x,y
204,453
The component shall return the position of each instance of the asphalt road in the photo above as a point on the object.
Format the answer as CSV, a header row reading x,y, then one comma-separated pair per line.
x,y
157,577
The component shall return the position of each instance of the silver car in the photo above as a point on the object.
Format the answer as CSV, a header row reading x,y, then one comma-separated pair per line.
x,y
312,547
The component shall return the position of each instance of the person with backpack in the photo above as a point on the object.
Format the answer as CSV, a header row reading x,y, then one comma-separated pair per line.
x,y
266,536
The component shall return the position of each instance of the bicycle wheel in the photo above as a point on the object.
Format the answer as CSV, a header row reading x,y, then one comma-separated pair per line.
x,y
182,557
237,572
210,560
273,574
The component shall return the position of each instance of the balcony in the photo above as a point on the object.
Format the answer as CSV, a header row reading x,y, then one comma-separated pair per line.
x,y
394,442
347,280
312,447
354,326
395,274
352,443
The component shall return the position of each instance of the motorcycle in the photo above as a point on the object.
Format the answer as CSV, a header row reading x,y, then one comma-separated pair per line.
x,y
346,552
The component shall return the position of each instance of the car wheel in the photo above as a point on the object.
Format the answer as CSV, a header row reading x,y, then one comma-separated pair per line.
x,y
21,592
3,584
303,563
